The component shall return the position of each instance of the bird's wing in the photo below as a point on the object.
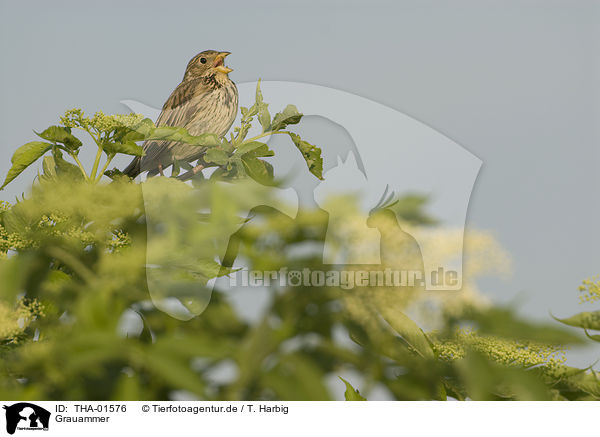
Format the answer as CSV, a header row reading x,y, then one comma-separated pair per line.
x,y
178,111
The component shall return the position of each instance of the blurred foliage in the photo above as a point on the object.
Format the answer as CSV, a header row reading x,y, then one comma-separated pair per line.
x,y
87,270
351,394
587,320
412,210
590,290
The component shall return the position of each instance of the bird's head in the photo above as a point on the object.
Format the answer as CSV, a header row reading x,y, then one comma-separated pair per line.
x,y
207,63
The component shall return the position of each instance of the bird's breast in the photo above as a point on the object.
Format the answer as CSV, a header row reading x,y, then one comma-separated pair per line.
x,y
214,112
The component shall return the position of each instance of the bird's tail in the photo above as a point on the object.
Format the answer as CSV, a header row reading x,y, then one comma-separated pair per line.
x,y
133,169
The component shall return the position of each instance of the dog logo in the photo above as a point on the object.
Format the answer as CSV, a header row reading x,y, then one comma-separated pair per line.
x,y
26,416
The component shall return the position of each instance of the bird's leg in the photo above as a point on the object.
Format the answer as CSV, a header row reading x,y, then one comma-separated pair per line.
x,y
191,173
197,169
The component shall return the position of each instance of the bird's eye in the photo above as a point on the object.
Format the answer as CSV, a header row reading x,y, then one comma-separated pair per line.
x,y
203,60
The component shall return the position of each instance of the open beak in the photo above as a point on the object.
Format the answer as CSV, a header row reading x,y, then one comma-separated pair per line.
x,y
220,61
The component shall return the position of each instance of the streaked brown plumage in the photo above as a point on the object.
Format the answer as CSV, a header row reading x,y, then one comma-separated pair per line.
x,y
205,101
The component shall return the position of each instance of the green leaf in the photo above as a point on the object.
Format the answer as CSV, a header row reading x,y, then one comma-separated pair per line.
x,y
249,147
23,157
217,156
248,113
289,115
115,174
145,127
408,329
351,394
503,322
592,337
49,166
311,154
586,320
218,174
257,170
181,135
270,170
129,148
62,135
261,152
242,132
264,118
63,167
126,135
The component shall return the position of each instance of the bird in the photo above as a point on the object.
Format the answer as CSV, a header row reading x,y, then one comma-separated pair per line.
x,y
205,101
